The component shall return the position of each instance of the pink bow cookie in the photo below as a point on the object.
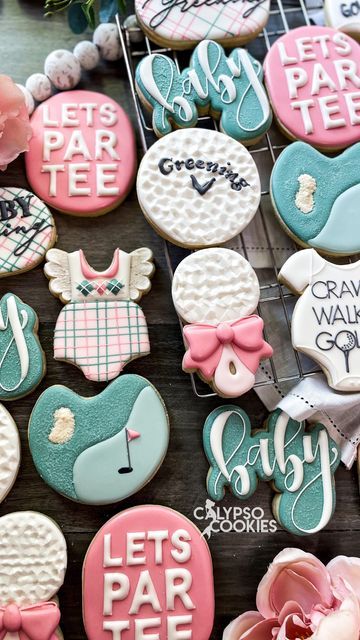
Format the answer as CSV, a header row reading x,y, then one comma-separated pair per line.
x,y
37,622
227,354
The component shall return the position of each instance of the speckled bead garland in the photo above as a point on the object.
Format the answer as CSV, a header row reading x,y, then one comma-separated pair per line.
x,y
62,68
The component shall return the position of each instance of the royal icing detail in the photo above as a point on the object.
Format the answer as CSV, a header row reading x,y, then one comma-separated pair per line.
x,y
216,290
102,449
208,186
22,361
9,452
34,555
148,574
230,87
182,24
313,79
330,303
27,230
344,16
300,464
101,328
82,156
317,197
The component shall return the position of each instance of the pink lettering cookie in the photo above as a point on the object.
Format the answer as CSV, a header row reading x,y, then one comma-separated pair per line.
x,y
313,79
82,156
148,575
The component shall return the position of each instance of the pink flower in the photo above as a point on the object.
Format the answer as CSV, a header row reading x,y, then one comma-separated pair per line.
x,y
15,130
300,598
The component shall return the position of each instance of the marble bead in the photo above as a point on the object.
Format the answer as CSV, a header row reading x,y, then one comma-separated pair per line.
x,y
63,69
39,86
88,54
106,37
29,100
133,29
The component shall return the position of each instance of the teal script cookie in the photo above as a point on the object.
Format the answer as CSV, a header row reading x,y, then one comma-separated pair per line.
x,y
102,449
300,463
317,198
22,361
229,88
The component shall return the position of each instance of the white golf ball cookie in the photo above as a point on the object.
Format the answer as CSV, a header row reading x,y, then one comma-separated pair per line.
x,y
198,188
33,558
215,285
9,452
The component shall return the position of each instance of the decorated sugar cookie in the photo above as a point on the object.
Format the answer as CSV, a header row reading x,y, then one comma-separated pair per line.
x,y
148,574
198,188
216,290
344,16
82,156
9,452
27,230
32,568
22,360
102,449
300,463
317,198
180,25
312,76
326,320
101,328
229,88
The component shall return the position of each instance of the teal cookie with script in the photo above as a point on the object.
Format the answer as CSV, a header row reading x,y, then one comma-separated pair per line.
x,y
229,88
300,463
22,360
316,198
101,449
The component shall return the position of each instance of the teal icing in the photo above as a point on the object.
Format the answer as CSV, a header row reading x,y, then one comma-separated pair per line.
x,y
97,420
341,233
334,177
96,470
299,509
231,88
13,382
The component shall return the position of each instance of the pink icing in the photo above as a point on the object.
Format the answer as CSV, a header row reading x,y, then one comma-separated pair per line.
x,y
82,156
212,348
162,547
316,70
37,622
90,273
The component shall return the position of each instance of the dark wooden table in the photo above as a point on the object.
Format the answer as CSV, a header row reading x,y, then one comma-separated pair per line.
x,y
239,559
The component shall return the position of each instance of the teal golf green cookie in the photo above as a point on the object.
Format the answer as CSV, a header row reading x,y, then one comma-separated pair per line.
x,y
22,360
102,449
300,464
316,198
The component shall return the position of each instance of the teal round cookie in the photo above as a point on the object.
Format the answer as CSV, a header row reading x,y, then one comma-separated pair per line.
x,y
300,463
316,198
22,360
102,449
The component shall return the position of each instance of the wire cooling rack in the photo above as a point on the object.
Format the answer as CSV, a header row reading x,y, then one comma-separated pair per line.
x,y
276,303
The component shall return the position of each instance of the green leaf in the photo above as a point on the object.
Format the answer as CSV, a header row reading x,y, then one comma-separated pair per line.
x,y
77,18
89,12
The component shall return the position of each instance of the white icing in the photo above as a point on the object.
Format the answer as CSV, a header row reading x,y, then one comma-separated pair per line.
x,y
145,593
328,108
122,274
158,537
173,633
330,303
178,583
106,174
285,59
135,545
109,560
321,79
305,48
76,146
232,377
296,77
52,169
353,104
116,627
17,326
143,625
347,70
106,142
116,587
108,114
304,198
304,106
78,175
68,115
51,140
181,541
